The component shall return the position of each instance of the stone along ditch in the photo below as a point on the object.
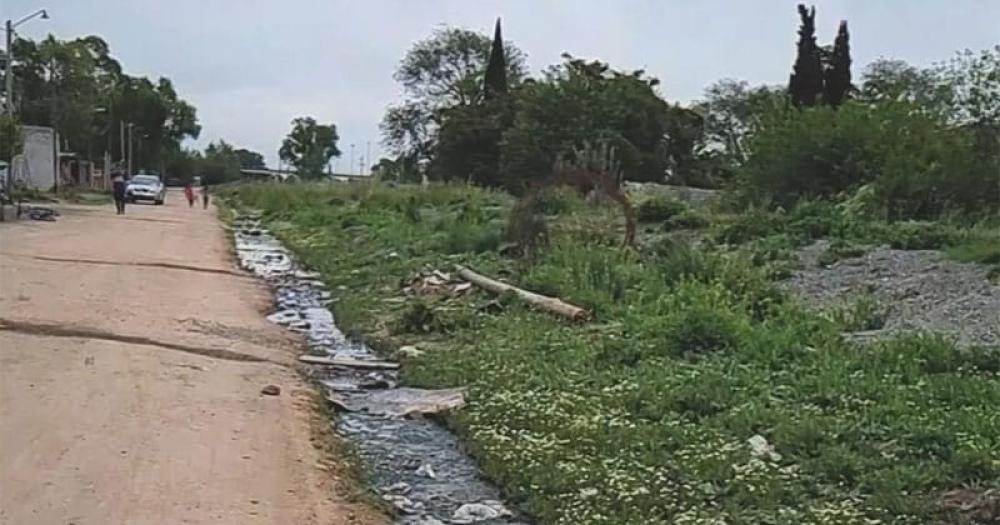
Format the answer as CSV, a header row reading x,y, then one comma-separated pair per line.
x,y
415,464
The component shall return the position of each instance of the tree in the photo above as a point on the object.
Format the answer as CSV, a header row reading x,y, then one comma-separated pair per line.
x,y
11,139
837,74
805,85
438,74
732,113
250,160
77,87
219,164
587,101
495,78
309,146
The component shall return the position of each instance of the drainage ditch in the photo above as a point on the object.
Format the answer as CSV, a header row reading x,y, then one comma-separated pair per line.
x,y
415,464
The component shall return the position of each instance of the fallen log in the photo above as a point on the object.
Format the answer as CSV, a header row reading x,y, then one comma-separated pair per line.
x,y
542,302
348,362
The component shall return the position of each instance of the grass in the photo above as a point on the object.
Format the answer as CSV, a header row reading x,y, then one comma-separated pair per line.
x,y
643,416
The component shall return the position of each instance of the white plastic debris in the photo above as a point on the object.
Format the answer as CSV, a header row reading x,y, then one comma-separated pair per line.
x,y
427,471
760,448
475,512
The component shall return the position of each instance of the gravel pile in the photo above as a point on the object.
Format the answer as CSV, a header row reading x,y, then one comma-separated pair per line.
x,y
918,290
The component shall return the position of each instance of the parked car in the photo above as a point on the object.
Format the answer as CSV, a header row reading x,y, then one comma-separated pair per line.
x,y
145,188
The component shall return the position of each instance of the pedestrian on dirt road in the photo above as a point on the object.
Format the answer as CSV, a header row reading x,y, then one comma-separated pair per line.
x,y
204,196
189,194
118,191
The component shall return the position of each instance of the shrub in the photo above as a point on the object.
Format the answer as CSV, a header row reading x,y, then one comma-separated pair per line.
x,y
755,223
918,167
686,220
701,330
920,236
655,209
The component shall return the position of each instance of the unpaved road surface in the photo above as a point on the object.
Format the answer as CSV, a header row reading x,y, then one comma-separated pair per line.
x,y
132,357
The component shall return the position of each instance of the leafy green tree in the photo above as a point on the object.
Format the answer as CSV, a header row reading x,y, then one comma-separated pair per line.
x,y
183,164
309,146
732,113
580,101
919,166
77,87
805,85
837,74
438,74
219,164
895,80
11,139
250,160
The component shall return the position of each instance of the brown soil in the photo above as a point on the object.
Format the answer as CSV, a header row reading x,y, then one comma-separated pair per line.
x,y
132,358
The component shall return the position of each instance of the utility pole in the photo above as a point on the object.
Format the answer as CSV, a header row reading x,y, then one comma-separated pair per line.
x,y
121,141
368,155
129,172
9,67
351,165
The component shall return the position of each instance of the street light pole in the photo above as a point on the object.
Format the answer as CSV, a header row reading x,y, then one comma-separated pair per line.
x,y
129,172
351,165
8,69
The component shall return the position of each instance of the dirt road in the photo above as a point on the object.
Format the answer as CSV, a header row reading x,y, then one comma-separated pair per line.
x,y
132,357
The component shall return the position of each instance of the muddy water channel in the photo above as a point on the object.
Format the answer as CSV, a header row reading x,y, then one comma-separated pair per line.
x,y
416,465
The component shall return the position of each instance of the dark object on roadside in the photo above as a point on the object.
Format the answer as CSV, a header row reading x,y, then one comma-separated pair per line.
x,y
271,390
40,214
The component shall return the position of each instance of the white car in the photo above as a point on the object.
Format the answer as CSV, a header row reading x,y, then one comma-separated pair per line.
x,y
145,188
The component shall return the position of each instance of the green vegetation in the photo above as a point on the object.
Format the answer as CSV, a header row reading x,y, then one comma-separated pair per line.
x,y
702,392
309,146
644,415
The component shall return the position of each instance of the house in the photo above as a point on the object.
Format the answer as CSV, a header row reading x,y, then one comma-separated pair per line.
x,y
37,165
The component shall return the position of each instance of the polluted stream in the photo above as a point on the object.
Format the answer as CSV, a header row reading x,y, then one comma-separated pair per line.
x,y
415,464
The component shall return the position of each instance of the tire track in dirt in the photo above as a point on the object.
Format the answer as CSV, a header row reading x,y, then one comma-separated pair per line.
x,y
100,262
58,330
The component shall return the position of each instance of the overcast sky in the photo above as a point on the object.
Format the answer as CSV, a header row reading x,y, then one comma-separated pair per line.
x,y
250,66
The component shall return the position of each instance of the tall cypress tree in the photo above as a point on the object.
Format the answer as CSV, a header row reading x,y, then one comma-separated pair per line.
x,y
837,80
805,85
495,82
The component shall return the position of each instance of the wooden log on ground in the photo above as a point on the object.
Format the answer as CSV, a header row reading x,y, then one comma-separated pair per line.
x,y
542,302
348,362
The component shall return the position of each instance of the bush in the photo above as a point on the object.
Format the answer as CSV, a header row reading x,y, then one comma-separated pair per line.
x,y
755,223
701,330
918,167
920,236
686,220
655,209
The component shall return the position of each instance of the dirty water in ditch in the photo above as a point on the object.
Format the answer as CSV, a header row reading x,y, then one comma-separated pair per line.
x,y
415,464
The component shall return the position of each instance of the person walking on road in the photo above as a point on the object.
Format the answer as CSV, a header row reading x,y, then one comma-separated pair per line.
x,y
189,194
118,191
204,196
